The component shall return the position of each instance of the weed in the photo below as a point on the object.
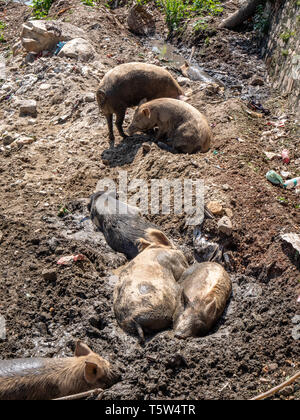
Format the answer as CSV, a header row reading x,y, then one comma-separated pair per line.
x,y
285,36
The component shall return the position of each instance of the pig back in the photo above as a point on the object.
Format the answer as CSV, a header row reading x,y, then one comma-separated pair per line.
x,y
207,281
128,84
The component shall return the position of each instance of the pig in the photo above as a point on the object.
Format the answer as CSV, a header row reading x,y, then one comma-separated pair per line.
x,y
185,127
206,288
127,84
146,290
45,378
121,224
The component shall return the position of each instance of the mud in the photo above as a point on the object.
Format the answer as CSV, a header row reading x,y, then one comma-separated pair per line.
x,y
255,345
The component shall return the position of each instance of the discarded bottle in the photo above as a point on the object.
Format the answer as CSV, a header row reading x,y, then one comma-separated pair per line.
x,y
285,156
273,177
292,183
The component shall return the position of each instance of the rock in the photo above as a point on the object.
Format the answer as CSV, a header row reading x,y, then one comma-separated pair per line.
x,y
225,226
215,208
146,147
229,213
79,49
17,48
257,81
183,81
39,35
7,139
49,275
272,367
28,107
293,239
1,236
89,97
140,21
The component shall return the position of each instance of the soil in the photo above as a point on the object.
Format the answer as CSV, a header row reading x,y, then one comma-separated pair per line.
x,y
255,346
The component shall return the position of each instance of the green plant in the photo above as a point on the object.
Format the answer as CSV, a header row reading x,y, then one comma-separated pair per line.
x,y
261,21
285,53
88,2
41,8
175,11
211,7
285,36
2,26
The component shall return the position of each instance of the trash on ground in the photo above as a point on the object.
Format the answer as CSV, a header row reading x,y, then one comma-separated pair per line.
x,y
70,258
292,183
59,47
257,107
274,178
285,156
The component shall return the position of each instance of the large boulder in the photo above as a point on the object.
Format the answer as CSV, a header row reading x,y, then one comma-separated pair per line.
x,y
140,21
78,48
40,35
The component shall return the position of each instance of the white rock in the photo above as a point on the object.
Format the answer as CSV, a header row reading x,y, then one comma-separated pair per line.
x,y
89,97
225,226
39,35
79,49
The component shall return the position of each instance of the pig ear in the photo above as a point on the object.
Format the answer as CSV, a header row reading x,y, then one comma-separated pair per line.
x,y
211,309
82,349
101,97
143,101
142,244
91,372
158,237
146,112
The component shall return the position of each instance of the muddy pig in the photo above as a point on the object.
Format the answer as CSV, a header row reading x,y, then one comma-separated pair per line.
x,y
121,224
127,84
145,294
45,379
184,126
206,288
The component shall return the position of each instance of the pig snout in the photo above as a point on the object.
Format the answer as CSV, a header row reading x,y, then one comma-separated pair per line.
x,y
132,129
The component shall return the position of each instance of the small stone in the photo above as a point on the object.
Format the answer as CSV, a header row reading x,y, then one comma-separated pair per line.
x,y
28,107
49,275
7,139
226,187
257,81
89,97
225,226
215,208
229,213
1,236
272,367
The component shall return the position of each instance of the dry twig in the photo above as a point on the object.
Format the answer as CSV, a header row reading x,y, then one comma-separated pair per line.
x,y
277,388
92,393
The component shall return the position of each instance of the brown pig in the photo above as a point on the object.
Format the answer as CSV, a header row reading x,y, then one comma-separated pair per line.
x,y
127,84
206,288
45,379
182,124
145,294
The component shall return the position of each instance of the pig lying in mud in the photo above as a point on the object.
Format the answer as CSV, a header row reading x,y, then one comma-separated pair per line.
x,y
145,294
45,379
127,84
120,223
184,126
206,290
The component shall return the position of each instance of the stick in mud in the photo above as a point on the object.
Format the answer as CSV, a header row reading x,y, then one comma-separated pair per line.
x,y
92,393
277,388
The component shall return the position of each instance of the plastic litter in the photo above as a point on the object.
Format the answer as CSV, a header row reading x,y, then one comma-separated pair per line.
x,y
70,258
292,183
274,178
257,107
293,239
285,156
59,46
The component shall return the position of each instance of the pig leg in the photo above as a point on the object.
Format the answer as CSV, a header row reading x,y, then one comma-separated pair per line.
x,y
119,122
109,119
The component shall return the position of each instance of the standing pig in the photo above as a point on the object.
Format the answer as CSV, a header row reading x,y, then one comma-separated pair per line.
x,y
183,125
206,290
120,223
145,294
44,379
127,84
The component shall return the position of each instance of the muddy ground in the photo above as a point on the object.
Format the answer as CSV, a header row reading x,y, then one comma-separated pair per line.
x,y
256,344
